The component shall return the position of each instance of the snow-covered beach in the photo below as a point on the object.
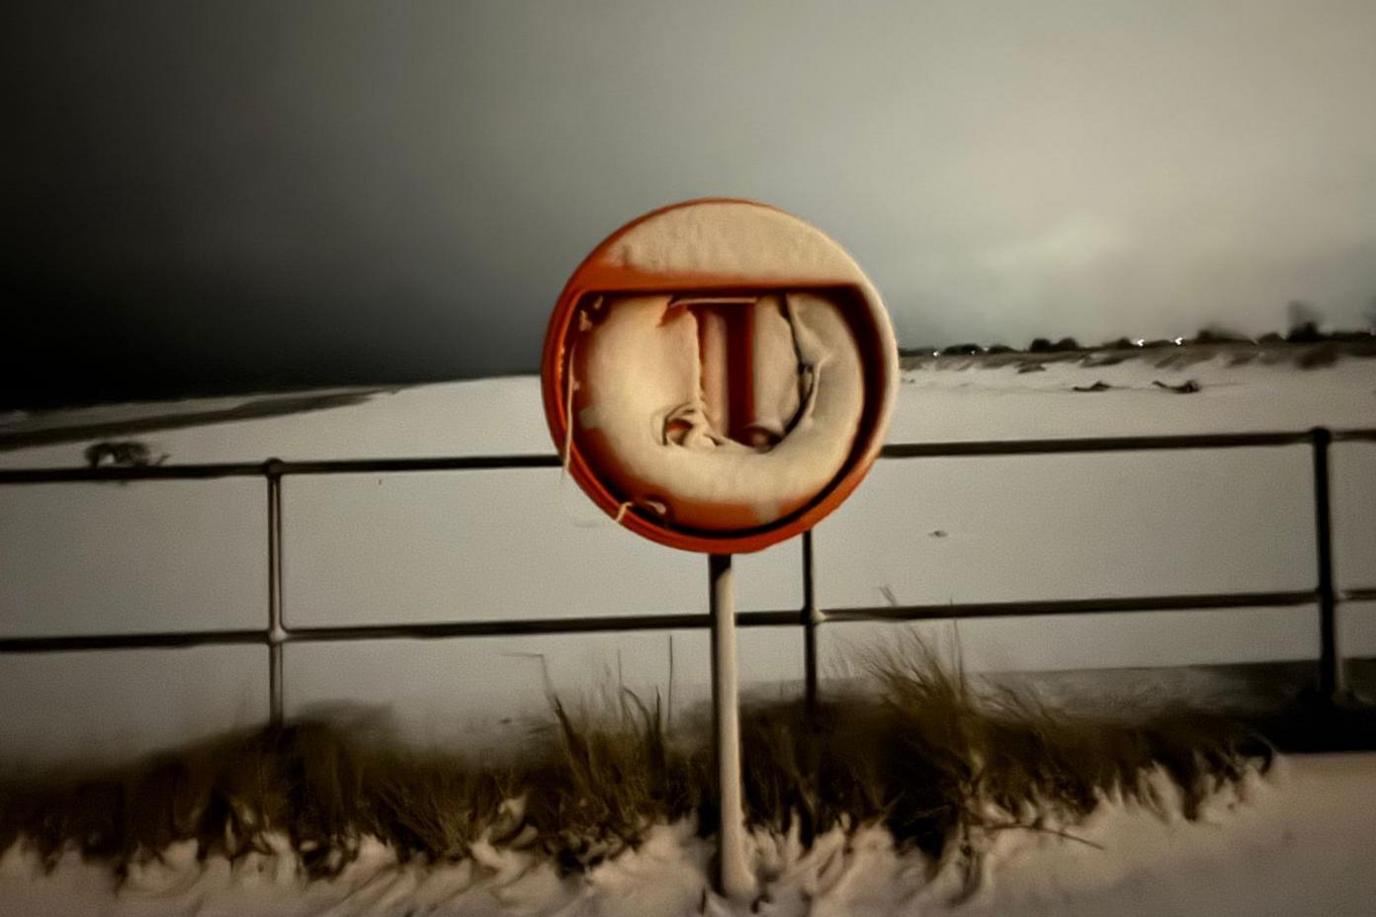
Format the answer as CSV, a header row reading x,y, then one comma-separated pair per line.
x,y
1295,842
436,546
1013,365
453,546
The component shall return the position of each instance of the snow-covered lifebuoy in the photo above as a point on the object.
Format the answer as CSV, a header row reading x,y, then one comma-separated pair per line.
x,y
718,375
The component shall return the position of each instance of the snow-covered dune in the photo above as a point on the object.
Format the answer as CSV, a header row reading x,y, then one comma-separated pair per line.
x,y
943,399
1294,843
479,545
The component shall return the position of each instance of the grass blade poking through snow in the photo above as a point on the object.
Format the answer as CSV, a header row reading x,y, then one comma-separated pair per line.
x,y
929,755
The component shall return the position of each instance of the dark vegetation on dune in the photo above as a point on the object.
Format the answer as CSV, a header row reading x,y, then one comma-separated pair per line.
x,y
930,756
1305,345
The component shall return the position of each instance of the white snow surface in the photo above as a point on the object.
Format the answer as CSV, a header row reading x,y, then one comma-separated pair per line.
x,y
930,530
424,547
1294,842
725,238
500,416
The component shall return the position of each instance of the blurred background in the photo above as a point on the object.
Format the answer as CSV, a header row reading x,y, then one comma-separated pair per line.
x,y
234,196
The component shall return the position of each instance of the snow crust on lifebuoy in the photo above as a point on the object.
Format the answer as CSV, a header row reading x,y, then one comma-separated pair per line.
x,y
694,433
731,239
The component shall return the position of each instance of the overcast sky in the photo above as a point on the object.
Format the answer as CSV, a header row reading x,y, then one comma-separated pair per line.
x,y
240,195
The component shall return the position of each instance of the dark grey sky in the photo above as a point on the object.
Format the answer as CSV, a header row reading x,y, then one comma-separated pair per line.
x,y
238,195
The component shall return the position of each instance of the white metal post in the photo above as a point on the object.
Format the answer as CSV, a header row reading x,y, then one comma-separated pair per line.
x,y
734,878
276,630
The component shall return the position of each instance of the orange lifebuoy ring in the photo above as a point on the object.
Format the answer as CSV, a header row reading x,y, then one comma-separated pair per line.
x,y
718,375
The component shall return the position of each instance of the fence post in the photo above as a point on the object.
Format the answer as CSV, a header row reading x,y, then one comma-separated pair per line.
x,y
810,622
1331,682
272,469
733,870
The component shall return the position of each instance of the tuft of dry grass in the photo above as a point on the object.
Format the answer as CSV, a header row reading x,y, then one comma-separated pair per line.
x,y
928,755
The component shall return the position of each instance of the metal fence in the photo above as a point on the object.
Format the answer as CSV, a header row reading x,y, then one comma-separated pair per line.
x,y
276,633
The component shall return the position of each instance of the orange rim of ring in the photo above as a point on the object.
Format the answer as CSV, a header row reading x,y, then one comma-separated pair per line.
x,y
594,276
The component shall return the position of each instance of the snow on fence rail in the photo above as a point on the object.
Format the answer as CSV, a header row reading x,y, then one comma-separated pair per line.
x,y
275,634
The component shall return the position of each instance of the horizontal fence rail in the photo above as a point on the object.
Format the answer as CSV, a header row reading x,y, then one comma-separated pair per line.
x,y
277,633
952,449
1195,602
506,627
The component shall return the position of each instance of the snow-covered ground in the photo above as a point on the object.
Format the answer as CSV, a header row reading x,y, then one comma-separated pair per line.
x,y
944,399
479,545
1296,842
